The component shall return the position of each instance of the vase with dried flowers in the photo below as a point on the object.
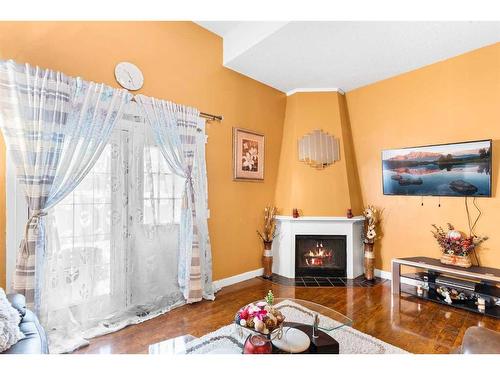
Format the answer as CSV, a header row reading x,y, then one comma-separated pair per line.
x,y
457,248
267,235
372,218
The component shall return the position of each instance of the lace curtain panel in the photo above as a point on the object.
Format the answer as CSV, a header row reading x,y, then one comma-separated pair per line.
x,y
55,128
113,245
179,135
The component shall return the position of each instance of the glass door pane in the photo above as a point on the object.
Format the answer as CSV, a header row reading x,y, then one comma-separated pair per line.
x,y
86,255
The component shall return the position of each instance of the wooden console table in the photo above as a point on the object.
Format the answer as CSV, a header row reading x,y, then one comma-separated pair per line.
x,y
487,279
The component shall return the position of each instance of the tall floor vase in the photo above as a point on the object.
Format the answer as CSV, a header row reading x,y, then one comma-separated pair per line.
x,y
267,259
369,261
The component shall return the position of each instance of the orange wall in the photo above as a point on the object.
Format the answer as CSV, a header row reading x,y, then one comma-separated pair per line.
x,y
450,101
181,62
315,192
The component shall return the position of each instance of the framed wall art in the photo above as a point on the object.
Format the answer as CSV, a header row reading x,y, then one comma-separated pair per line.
x,y
452,169
248,155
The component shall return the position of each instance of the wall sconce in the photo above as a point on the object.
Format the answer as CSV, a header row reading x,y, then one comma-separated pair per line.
x,y
318,149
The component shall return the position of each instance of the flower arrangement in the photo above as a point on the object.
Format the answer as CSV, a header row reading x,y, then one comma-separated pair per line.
x,y
262,317
269,231
453,242
371,215
250,159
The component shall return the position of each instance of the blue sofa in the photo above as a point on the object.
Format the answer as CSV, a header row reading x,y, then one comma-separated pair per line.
x,y
35,339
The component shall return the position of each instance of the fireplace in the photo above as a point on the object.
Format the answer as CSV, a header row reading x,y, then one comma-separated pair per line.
x,y
320,255
292,230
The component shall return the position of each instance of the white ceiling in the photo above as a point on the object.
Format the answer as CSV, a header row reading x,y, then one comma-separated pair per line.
x,y
220,27
307,55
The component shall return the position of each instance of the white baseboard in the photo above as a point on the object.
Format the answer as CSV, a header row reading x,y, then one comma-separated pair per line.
x,y
404,280
383,274
238,278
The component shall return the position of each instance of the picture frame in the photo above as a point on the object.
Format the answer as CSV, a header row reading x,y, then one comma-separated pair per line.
x,y
248,155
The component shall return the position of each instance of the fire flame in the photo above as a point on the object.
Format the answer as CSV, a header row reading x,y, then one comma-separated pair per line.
x,y
315,257
321,253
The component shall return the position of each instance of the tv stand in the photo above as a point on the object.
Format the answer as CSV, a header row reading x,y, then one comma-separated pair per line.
x,y
483,282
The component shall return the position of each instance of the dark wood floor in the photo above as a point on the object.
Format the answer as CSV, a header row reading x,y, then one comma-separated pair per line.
x,y
407,322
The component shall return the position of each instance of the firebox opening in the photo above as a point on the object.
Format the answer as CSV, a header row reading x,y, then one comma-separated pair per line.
x,y
320,255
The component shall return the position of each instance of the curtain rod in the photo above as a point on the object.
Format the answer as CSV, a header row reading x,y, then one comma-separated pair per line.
x,y
208,116
211,117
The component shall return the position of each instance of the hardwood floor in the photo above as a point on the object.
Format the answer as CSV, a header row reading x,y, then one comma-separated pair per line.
x,y
409,323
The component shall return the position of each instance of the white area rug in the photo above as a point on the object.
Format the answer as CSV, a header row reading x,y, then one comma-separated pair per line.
x,y
230,339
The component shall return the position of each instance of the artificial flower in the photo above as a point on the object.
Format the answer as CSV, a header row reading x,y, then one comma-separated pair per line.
x,y
260,314
244,313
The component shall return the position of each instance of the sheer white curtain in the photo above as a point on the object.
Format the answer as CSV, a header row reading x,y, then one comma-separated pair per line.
x,y
55,128
154,241
112,248
176,130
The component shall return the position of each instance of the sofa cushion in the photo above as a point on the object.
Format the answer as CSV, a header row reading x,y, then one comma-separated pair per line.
x,y
34,341
18,302
10,319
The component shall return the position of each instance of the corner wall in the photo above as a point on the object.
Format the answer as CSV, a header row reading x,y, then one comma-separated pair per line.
x,y
327,192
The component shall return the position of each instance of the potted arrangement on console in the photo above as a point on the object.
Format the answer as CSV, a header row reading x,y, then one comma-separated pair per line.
x,y
372,219
457,248
267,235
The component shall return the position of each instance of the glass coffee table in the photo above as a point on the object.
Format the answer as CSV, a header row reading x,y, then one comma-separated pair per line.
x,y
316,321
333,319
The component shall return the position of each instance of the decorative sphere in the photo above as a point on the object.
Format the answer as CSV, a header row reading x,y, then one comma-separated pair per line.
x,y
454,235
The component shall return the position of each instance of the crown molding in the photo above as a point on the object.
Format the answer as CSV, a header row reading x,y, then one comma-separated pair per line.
x,y
315,89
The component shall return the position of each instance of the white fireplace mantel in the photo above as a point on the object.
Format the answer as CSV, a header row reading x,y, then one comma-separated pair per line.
x,y
320,218
288,227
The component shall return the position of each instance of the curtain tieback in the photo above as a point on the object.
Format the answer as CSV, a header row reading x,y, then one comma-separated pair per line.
x,y
188,197
35,215
189,180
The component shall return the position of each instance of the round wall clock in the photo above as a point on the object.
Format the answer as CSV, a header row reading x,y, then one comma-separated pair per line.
x,y
129,76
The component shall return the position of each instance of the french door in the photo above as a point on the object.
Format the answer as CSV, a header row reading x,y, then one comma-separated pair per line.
x,y
87,252
113,242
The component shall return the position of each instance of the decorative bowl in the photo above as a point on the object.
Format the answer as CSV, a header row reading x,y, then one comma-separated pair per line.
x,y
260,317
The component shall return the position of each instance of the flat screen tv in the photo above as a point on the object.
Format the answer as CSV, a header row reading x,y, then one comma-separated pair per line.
x,y
453,169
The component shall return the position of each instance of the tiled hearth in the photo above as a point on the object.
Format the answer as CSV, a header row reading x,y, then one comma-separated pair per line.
x,y
325,281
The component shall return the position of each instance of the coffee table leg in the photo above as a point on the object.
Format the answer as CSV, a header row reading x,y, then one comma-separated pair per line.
x,y
315,326
396,277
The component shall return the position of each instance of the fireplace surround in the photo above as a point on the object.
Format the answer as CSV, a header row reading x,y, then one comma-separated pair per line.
x,y
342,236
